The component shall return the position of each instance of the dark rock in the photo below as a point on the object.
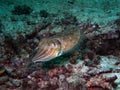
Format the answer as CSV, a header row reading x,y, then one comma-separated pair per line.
x,y
3,79
117,22
22,9
1,26
118,13
16,82
68,19
44,13
71,1
9,69
9,84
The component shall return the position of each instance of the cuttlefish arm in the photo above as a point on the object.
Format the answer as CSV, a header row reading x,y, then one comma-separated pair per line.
x,y
57,45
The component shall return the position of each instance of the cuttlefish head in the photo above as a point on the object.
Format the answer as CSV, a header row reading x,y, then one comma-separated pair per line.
x,y
47,50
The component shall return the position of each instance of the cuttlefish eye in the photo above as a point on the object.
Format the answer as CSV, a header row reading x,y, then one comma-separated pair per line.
x,y
47,50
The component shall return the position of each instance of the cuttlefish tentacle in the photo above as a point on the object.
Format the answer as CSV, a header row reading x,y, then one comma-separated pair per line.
x,y
57,45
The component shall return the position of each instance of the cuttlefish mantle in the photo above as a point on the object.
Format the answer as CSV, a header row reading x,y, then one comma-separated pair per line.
x,y
57,45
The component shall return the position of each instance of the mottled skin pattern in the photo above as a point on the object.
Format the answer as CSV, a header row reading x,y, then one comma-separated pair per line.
x,y
57,45
69,40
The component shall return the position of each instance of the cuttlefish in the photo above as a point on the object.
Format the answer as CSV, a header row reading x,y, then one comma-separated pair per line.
x,y
57,45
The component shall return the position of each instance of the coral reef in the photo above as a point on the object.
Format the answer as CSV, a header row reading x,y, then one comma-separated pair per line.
x,y
88,72
94,65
